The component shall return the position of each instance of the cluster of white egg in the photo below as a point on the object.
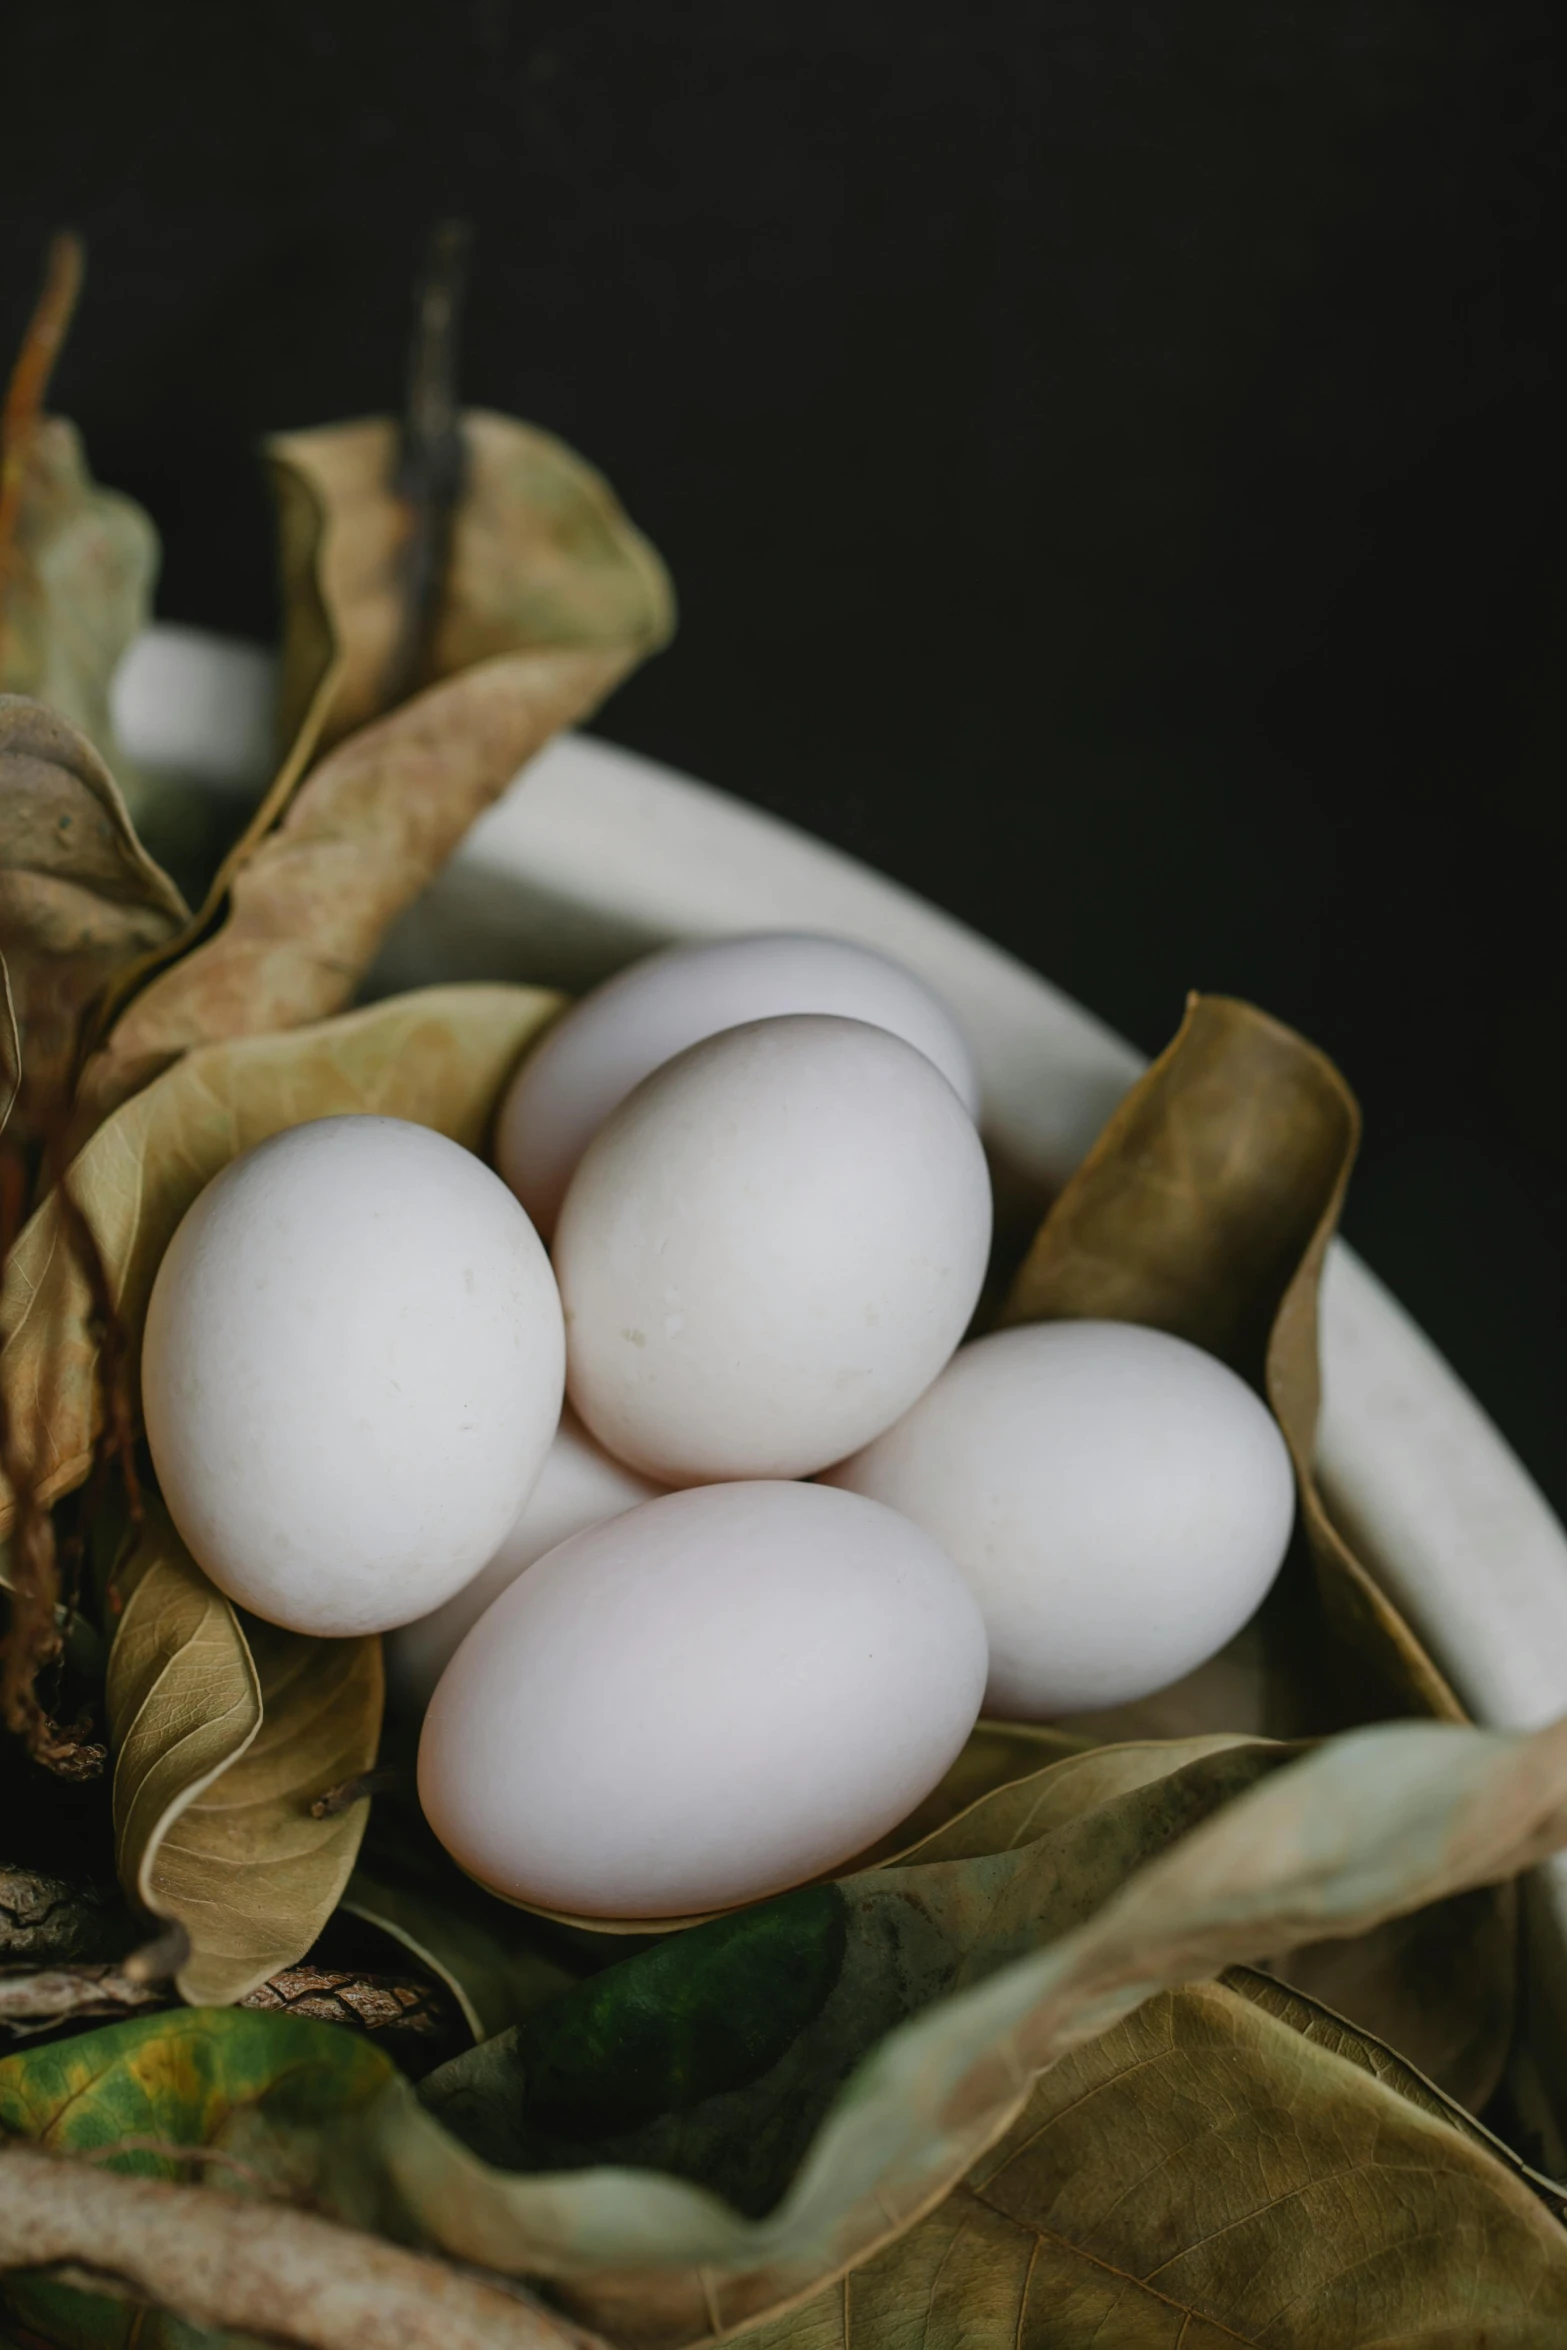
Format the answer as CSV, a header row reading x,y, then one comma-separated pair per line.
x,y
731,1616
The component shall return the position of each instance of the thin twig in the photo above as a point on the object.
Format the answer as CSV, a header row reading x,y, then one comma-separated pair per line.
x,y
167,2152
430,463
219,2259
24,400
359,1789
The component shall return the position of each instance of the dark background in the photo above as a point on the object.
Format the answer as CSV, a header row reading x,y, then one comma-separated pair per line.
x,y
1111,456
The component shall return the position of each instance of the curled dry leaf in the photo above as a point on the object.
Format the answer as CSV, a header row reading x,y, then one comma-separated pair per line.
x,y
1373,1824
552,598
1367,1826
77,587
716,2055
221,1738
1206,1208
79,896
995,1755
1230,2164
542,554
439,1057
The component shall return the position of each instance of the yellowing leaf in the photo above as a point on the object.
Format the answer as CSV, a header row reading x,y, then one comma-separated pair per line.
x,y
1369,1826
78,586
1206,1208
79,896
552,598
222,1739
1113,2137
1228,2165
542,554
215,2082
439,1057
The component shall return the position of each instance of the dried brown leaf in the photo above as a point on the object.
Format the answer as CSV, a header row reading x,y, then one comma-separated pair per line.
x,y
1369,1826
77,589
439,1057
1227,2166
552,598
1206,1208
222,1735
79,896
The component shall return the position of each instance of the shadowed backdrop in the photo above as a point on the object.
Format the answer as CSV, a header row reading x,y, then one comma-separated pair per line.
x,y
1110,457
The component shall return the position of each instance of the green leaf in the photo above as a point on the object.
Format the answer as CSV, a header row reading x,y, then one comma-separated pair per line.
x,y
79,896
552,598
641,2064
78,588
439,1057
1229,2165
259,2089
222,1739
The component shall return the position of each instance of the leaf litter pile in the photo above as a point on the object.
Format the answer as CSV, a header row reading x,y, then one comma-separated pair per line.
x,y
1196,2024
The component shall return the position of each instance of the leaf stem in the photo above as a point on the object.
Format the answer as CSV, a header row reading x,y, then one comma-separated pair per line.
x,y
358,1789
430,462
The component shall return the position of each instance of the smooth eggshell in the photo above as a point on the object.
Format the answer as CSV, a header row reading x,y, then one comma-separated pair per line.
x,y
769,1250
720,1694
624,1030
351,1372
579,1486
1119,1500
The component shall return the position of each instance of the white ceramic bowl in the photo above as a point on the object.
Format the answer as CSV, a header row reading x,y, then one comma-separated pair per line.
x,y
595,855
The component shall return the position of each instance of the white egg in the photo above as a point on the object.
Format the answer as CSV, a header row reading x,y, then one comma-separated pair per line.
x,y
624,1030
769,1250
579,1486
720,1694
1119,1500
351,1372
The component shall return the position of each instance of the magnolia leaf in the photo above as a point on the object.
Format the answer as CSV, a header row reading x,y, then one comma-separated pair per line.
x,y
994,1756
541,554
1228,2165
552,598
1368,1826
208,2082
1205,1208
77,589
223,1737
439,1057
79,896
716,2055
